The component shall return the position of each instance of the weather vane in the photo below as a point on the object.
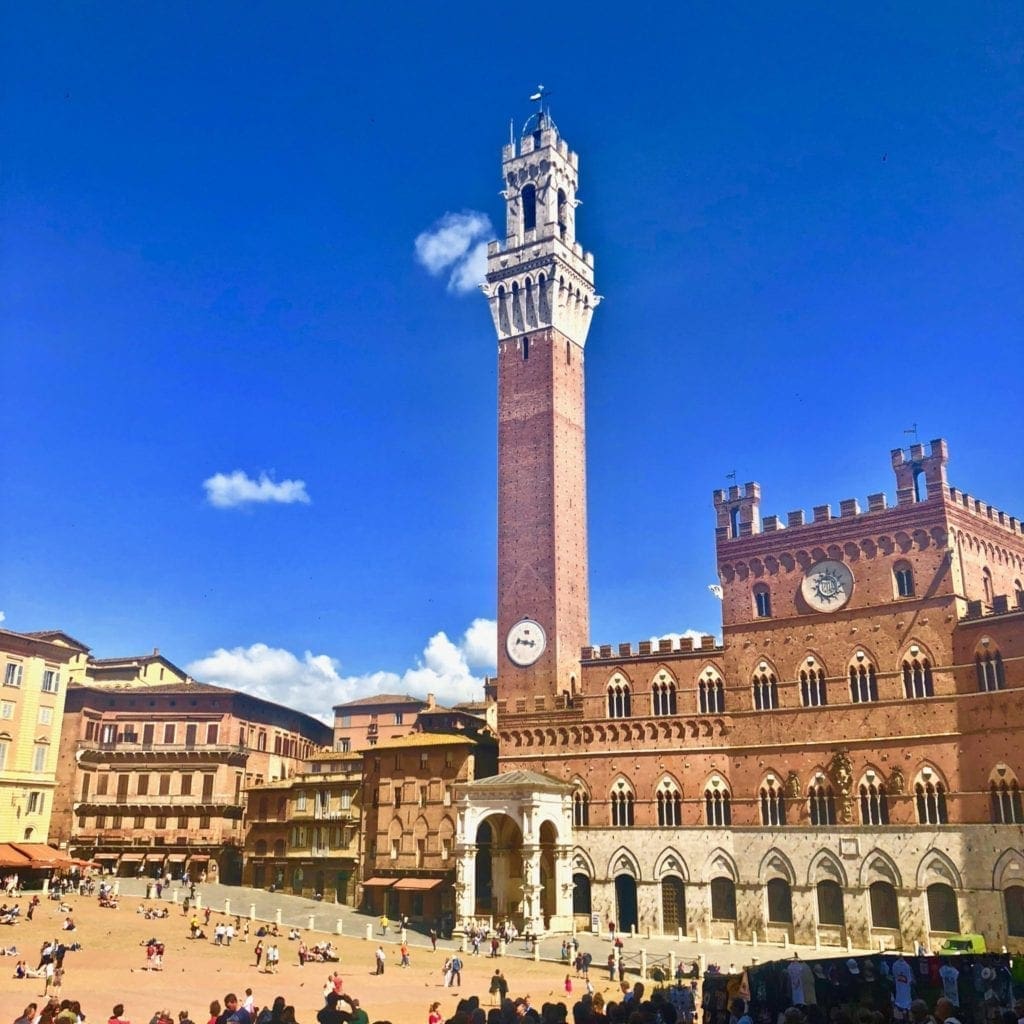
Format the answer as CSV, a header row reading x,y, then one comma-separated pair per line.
x,y
913,430
539,97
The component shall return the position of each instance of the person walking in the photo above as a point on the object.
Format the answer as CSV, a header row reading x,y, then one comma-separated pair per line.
x,y
495,989
404,950
433,1015
383,924
456,971
259,952
380,958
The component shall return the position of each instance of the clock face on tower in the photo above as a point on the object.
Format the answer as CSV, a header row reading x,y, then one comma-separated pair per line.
x,y
827,586
525,642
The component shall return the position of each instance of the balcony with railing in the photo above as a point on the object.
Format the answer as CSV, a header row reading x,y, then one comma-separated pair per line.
x,y
120,750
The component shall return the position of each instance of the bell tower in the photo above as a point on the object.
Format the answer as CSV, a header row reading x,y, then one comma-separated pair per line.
x,y
540,288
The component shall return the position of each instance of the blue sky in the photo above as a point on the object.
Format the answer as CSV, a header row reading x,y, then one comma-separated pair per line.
x,y
807,225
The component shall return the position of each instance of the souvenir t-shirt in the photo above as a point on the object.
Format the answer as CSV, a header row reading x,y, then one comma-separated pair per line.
x,y
949,975
902,980
796,982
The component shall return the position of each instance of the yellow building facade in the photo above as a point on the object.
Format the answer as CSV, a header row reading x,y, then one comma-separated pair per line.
x,y
34,673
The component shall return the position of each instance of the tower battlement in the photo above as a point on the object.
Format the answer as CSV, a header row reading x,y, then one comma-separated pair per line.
x,y
738,511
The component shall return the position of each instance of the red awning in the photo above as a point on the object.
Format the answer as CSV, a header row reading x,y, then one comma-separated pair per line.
x,y
382,882
132,858
418,884
13,858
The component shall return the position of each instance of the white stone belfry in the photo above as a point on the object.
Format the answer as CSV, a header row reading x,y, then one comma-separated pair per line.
x,y
529,819
540,276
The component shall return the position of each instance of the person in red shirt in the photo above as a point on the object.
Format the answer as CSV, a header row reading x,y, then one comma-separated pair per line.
x,y
117,1015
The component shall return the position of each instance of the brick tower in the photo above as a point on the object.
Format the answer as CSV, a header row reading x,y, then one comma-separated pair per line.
x,y
540,288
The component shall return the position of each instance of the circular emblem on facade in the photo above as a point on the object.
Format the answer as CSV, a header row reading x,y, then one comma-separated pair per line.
x,y
827,586
525,642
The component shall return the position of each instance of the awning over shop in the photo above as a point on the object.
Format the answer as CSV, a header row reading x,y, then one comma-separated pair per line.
x,y
132,858
176,858
106,856
200,858
418,884
12,858
43,856
382,882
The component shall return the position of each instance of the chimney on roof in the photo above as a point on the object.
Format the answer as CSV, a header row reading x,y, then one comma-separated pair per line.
x,y
431,702
156,652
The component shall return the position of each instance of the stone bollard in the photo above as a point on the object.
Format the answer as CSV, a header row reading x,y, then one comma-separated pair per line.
x,y
643,963
405,935
252,911
1003,950
730,937
227,907
881,945
536,952
632,931
312,922
702,963
504,948
849,944
341,929
696,934
174,896
462,943
117,887
369,933
679,935
277,916
648,931
785,941
198,904
671,965
753,939
817,940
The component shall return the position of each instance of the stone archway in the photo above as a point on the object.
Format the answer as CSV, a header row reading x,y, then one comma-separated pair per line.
x,y
513,844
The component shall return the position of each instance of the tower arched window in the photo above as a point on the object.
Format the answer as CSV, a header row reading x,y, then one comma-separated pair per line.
x,y
619,699
991,674
874,807
717,809
710,693
580,808
762,601
670,805
863,681
1004,798
821,804
765,691
930,799
813,693
917,678
663,696
773,805
903,579
563,225
622,807
529,208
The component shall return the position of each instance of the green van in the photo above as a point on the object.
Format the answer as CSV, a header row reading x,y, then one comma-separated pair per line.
x,y
962,944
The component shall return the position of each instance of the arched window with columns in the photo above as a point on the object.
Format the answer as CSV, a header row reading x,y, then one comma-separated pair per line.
x,y
930,798
710,693
773,803
717,807
874,807
663,695
1004,797
765,689
580,807
821,802
917,675
988,663
863,679
670,804
619,705
622,801
813,692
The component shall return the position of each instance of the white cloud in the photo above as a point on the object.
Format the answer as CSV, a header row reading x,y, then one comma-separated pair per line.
x,y
687,634
457,242
313,683
229,490
2,616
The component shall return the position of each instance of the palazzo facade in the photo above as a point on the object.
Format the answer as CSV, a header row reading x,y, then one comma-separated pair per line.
x,y
843,766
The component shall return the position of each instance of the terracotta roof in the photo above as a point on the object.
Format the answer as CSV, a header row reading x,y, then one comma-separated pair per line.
x,y
337,755
56,634
423,739
537,780
384,699
189,686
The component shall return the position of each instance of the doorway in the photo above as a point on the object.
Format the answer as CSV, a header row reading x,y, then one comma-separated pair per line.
x,y
625,902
